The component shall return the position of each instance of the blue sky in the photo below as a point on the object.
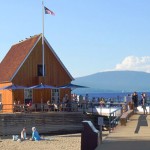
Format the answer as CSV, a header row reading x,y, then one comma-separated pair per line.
x,y
89,36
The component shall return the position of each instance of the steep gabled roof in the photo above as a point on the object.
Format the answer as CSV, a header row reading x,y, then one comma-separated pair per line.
x,y
15,57
18,54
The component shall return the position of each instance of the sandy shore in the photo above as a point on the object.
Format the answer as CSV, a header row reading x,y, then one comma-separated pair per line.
x,y
59,142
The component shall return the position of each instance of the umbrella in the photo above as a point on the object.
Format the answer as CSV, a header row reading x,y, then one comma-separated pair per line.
x,y
71,86
42,86
13,87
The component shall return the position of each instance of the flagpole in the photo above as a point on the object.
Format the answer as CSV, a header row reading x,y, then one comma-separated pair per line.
x,y
43,38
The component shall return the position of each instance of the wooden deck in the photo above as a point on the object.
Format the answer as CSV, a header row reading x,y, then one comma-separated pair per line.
x,y
134,136
45,122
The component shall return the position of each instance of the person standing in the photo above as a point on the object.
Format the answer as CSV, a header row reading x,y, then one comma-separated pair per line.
x,y
129,102
80,101
86,100
135,100
144,102
49,105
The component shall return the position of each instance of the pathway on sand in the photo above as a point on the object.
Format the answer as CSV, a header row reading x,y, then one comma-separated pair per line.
x,y
134,136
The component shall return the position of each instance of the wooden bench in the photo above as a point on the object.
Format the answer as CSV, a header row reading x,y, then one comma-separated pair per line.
x,y
125,116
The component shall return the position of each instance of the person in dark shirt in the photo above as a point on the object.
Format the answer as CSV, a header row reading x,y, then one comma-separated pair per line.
x,y
144,102
135,100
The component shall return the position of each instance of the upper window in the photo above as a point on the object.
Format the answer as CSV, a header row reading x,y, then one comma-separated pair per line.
x,y
40,70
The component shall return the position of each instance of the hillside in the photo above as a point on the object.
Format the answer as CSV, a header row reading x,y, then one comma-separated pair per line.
x,y
115,81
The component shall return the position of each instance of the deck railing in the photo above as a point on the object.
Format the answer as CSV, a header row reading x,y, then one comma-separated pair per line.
x,y
71,106
40,107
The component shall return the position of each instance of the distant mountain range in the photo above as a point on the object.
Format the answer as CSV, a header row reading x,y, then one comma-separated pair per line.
x,y
114,81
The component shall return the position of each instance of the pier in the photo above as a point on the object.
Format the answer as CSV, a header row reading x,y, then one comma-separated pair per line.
x,y
134,136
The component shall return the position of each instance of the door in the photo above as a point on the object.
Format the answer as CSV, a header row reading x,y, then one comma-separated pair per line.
x,y
55,96
28,96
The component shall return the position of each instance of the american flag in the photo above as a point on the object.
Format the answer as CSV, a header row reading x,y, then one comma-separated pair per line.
x,y
47,11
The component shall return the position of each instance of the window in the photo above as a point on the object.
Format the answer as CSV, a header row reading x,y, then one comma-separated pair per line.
x,y
55,96
40,70
27,95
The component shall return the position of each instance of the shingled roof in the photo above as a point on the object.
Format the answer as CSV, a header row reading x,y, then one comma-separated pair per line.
x,y
17,55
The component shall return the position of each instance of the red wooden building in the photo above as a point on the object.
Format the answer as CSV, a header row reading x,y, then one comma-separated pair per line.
x,y
23,66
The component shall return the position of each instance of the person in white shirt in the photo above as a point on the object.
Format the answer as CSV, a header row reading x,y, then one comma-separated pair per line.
x,y
23,134
129,101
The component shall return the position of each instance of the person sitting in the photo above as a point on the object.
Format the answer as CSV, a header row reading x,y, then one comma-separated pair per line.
x,y
1,106
55,107
29,106
50,106
15,107
60,107
23,134
35,135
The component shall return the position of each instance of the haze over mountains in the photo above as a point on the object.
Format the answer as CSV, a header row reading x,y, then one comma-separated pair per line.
x,y
114,81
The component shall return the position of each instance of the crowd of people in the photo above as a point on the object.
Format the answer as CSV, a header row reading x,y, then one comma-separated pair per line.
x,y
18,107
132,100
79,101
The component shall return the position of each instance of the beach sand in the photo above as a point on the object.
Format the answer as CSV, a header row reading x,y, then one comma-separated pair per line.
x,y
58,142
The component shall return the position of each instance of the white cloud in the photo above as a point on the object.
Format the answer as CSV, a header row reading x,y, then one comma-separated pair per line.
x,y
135,63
